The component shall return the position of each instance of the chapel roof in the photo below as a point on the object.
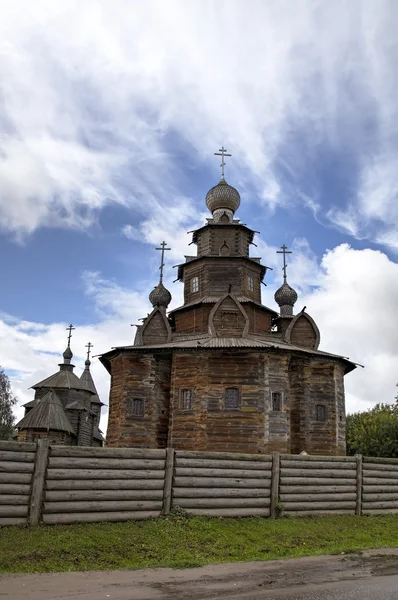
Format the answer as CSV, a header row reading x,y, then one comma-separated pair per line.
x,y
87,380
48,413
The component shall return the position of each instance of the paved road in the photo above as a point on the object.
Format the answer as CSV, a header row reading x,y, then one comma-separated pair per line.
x,y
370,576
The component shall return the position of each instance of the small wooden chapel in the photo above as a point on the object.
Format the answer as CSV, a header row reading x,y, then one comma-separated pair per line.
x,y
223,372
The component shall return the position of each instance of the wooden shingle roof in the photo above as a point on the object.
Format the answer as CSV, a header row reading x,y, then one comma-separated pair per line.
x,y
47,414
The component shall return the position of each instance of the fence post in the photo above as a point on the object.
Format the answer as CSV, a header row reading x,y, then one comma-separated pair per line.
x,y
275,484
358,508
38,482
168,480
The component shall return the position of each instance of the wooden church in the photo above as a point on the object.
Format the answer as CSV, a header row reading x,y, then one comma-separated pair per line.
x,y
223,371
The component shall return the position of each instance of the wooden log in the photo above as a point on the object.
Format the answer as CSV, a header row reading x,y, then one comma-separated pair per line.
x,y
295,464
229,512
221,482
385,467
15,478
307,513
16,467
221,464
184,492
317,497
302,458
317,489
375,489
17,456
223,456
304,481
275,477
17,446
105,463
103,474
87,452
380,460
380,511
381,504
14,488
189,472
98,517
379,481
91,495
38,482
9,521
168,481
9,510
317,506
104,506
380,496
14,499
312,473
99,484
358,509
222,502
380,474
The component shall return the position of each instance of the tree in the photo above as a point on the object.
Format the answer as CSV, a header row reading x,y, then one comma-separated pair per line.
x,y
7,401
374,432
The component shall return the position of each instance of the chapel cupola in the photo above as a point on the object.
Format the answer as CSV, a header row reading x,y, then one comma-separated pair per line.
x,y
160,295
222,200
285,296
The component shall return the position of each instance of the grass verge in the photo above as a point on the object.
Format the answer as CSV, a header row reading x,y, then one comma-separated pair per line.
x,y
178,541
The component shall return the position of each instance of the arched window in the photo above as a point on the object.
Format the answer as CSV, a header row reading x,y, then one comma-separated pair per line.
x,y
276,401
232,399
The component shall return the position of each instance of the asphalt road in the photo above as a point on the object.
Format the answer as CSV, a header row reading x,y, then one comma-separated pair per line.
x,y
370,576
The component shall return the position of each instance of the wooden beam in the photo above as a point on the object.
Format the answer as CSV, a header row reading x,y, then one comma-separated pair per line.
x,y
275,484
168,481
358,509
38,482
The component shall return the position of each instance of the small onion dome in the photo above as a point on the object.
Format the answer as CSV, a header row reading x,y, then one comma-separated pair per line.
x,y
160,296
223,196
68,353
87,363
286,297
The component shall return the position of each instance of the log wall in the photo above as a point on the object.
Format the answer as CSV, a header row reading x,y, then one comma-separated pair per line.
x,y
379,485
17,463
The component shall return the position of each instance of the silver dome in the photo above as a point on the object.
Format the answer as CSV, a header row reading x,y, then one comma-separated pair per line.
x,y
160,296
285,295
224,196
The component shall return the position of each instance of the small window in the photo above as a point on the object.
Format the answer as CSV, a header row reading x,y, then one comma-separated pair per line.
x,y
137,407
276,401
321,413
232,399
186,399
195,284
250,284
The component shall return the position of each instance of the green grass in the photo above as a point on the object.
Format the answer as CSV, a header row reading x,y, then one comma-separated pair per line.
x,y
185,542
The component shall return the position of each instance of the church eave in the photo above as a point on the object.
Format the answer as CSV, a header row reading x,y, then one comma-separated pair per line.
x,y
226,225
181,266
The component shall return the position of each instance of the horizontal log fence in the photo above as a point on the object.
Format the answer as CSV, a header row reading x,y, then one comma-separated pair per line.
x,y
64,484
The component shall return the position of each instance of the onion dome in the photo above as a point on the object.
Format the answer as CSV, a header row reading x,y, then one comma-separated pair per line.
x,y
68,354
160,296
223,198
286,297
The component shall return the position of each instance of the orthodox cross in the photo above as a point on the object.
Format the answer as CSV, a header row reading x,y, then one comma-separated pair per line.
x,y
89,346
284,251
70,329
162,263
222,152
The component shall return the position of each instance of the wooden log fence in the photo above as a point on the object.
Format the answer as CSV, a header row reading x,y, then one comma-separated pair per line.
x,y
62,484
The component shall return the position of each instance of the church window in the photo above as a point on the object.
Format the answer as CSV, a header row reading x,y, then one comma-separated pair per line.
x,y
186,399
232,399
321,413
137,407
276,401
250,284
195,284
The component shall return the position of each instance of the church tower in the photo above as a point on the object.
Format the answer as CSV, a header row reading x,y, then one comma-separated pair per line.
x,y
223,371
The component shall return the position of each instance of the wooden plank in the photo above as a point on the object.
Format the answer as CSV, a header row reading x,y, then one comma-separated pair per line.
x,y
183,492
381,504
304,481
38,482
229,512
8,521
380,511
17,446
295,464
99,484
91,495
303,459
15,488
98,517
380,474
168,481
87,452
15,477
14,499
312,473
223,456
103,474
221,482
102,506
317,489
381,467
17,456
9,510
105,463
379,489
317,497
380,496
222,502
379,481
380,460
317,506
275,477
16,467
307,513
187,472
358,509
221,464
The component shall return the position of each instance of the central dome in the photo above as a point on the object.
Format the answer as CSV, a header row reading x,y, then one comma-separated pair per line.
x,y
222,196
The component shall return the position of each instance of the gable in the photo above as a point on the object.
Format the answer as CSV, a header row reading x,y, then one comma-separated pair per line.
x,y
228,318
156,329
303,331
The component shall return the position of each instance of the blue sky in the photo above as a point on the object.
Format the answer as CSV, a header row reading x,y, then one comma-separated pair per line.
x,y
110,115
